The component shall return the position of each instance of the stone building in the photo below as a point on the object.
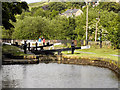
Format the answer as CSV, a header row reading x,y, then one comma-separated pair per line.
x,y
72,12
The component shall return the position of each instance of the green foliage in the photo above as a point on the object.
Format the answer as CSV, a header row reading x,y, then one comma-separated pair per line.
x,y
54,13
68,45
80,28
48,23
109,6
7,33
114,29
13,50
71,28
75,4
30,28
59,26
9,10
57,6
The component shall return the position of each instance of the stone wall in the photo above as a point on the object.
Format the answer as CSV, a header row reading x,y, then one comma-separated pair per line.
x,y
67,59
112,65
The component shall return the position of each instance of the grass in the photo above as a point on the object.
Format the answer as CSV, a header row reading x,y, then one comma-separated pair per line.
x,y
37,4
15,51
106,53
97,53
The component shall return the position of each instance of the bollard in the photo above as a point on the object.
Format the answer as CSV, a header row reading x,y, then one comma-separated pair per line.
x,y
25,47
29,46
36,45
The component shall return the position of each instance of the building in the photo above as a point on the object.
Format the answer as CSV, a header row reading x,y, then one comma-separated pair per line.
x,y
45,7
72,12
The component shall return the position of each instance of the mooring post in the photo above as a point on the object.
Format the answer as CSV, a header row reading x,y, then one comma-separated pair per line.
x,y
36,46
29,46
25,47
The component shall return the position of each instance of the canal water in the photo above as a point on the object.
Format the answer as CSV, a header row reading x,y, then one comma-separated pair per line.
x,y
55,75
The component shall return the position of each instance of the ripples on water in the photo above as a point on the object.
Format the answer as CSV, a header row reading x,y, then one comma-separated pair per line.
x,y
55,75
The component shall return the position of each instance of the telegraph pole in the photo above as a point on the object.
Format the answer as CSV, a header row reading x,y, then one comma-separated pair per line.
x,y
97,27
87,22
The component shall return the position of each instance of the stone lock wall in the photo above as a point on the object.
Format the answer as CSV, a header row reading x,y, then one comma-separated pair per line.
x,y
66,59
90,61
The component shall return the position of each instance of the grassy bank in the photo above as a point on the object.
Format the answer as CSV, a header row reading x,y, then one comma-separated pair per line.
x,y
92,52
12,50
104,54
96,53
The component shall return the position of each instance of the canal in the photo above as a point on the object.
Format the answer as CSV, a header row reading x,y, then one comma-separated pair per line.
x,y
53,75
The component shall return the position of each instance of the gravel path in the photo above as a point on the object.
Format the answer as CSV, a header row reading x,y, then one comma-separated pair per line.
x,y
85,52
95,53
115,55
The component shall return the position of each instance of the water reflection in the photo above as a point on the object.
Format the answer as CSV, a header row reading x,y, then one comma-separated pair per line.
x,y
55,75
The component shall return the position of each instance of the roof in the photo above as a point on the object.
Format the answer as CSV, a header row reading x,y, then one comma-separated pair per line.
x,y
71,11
45,7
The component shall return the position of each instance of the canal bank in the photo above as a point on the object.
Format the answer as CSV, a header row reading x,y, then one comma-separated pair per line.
x,y
14,53
76,60
100,62
66,59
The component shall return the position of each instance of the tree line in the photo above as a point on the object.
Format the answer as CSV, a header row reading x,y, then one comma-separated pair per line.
x,y
48,22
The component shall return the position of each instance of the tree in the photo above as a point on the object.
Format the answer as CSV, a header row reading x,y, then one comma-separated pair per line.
x,y
113,29
80,27
57,6
71,28
30,28
58,28
9,10
75,4
109,6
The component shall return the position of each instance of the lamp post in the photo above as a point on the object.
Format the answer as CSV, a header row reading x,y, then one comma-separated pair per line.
x,y
87,23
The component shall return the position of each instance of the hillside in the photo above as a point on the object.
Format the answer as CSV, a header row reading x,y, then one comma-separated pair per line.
x,y
37,4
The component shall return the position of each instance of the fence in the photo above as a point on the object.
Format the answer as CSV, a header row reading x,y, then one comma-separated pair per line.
x,y
105,44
